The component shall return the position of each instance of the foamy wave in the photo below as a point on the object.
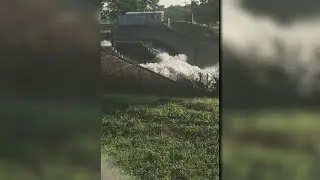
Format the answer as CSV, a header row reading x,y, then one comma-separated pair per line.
x,y
105,43
177,67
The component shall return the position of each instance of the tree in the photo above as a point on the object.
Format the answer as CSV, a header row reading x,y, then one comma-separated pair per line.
x,y
161,8
113,8
204,11
207,12
176,13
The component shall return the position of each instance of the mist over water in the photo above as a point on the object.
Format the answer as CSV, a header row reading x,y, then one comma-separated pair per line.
x,y
260,41
175,67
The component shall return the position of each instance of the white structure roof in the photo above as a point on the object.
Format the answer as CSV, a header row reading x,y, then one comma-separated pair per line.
x,y
145,12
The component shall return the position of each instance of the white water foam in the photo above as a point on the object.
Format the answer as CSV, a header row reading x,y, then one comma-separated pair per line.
x,y
177,67
106,43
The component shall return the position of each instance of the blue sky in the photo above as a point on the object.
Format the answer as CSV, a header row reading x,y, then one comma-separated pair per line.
x,y
167,3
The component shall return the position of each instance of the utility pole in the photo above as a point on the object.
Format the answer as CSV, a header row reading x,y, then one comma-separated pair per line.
x,y
191,7
185,11
191,10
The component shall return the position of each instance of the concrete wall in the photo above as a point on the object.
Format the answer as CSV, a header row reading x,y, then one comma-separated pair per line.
x,y
106,26
199,53
195,30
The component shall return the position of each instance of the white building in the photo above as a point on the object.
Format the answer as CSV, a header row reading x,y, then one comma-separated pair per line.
x,y
141,18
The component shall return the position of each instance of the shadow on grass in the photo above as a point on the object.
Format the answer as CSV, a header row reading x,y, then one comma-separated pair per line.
x,y
117,102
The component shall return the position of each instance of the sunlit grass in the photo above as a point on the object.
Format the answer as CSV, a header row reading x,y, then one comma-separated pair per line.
x,y
163,138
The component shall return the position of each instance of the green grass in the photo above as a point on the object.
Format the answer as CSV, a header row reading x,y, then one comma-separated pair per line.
x,y
271,145
162,138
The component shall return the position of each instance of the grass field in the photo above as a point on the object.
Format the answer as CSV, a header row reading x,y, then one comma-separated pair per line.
x,y
162,138
271,145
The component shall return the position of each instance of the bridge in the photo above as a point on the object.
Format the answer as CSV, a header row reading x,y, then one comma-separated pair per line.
x,y
201,53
